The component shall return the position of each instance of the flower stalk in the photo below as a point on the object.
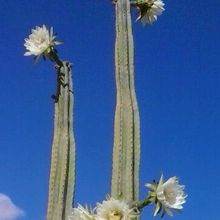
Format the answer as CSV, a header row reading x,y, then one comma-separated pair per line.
x,y
53,56
140,205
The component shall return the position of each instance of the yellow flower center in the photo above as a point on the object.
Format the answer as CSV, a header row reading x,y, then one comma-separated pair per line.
x,y
115,215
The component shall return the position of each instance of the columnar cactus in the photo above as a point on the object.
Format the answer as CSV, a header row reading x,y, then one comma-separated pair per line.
x,y
41,42
126,149
62,173
124,201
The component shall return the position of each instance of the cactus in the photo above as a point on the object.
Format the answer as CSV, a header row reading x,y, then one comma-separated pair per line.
x,y
62,173
126,149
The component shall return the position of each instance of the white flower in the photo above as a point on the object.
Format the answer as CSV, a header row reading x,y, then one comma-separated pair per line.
x,y
149,10
113,209
81,213
170,193
166,195
40,41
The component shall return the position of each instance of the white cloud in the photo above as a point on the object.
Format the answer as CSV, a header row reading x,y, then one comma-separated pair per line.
x,y
8,210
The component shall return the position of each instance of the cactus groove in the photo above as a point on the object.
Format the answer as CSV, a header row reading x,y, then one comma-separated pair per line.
x,y
62,172
126,149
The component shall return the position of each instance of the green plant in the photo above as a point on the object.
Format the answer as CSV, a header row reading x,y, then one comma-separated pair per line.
x,y
123,204
41,42
126,150
62,173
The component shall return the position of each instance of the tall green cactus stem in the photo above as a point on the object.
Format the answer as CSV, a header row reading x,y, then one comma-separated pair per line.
x,y
126,149
62,173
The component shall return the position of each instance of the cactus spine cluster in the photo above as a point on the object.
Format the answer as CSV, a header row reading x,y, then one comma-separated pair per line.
x,y
62,173
126,149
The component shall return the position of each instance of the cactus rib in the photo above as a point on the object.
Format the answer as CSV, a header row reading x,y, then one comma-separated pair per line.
x,y
126,149
62,173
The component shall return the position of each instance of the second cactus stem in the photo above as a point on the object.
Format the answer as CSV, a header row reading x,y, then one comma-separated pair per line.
x,y
62,173
126,149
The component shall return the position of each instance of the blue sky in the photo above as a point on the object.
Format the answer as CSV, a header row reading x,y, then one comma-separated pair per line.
x,y
177,66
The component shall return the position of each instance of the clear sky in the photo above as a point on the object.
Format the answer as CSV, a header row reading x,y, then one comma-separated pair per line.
x,y
177,67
